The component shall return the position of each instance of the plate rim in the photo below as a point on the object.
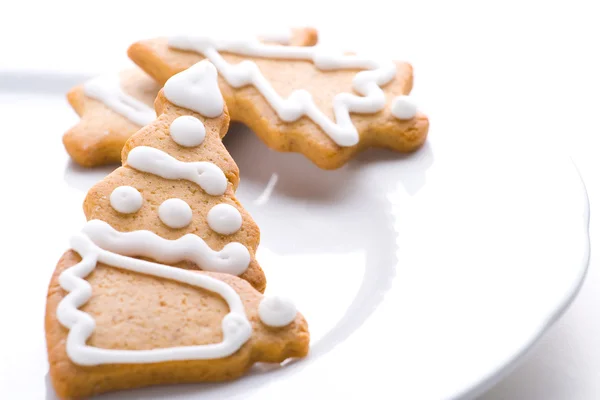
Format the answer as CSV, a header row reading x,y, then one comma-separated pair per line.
x,y
509,365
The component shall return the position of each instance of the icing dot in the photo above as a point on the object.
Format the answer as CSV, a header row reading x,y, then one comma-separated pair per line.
x,y
236,325
403,108
187,131
126,199
224,219
175,213
276,311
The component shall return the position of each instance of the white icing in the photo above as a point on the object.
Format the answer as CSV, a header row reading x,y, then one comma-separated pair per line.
x,y
224,219
236,327
279,36
276,311
205,174
403,107
196,89
126,199
300,103
175,213
187,131
107,89
233,259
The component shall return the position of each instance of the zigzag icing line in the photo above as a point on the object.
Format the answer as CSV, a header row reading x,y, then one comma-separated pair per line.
x,y
233,259
203,173
236,327
300,103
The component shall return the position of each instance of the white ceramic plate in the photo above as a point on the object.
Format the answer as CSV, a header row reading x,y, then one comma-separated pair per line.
x,y
422,276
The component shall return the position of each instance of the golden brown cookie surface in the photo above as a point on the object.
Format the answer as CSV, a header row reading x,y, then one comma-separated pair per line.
x,y
102,131
156,190
161,286
326,106
139,312
157,169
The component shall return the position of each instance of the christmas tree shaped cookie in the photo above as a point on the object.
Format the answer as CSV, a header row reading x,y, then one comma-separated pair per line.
x,y
324,104
112,107
161,285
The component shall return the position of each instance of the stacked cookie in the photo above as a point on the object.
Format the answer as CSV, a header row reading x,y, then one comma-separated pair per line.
x,y
295,96
161,285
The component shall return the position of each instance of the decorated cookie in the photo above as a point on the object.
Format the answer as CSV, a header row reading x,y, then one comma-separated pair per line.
x,y
112,107
324,104
177,185
161,285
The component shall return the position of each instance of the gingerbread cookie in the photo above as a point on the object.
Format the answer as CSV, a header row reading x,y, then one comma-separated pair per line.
x,y
112,108
161,285
325,105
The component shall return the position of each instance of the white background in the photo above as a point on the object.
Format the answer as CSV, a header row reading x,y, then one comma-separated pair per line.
x,y
545,60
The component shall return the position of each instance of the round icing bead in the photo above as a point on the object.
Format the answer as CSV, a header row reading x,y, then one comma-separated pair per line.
x,y
224,219
403,108
187,131
126,199
276,311
175,213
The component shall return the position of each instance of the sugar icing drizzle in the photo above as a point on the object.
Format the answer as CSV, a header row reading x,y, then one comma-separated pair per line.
x,y
233,259
236,327
154,161
299,103
107,89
